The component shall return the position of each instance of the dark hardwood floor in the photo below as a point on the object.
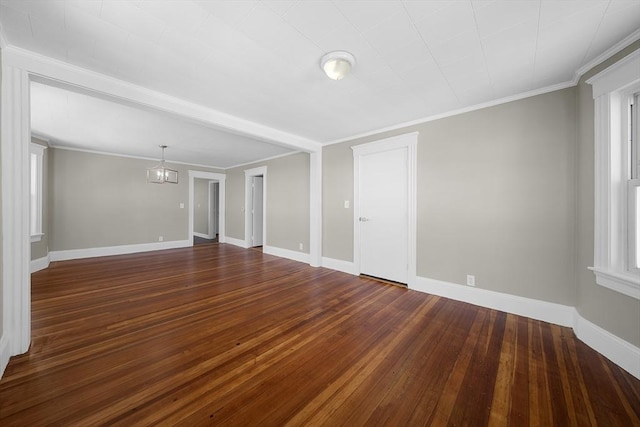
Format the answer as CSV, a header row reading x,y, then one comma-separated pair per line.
x,y
202,241
217,335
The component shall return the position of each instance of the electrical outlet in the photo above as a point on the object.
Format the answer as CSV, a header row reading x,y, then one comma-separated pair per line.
x,y
182,205
301,246
471,280
160,238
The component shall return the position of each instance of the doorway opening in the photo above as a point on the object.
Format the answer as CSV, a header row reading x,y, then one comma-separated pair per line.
x,y
206,189
255,208
206,210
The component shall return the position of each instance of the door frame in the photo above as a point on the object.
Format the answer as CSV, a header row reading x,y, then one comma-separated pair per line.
x,y
408,141
212,176
213,230
248,202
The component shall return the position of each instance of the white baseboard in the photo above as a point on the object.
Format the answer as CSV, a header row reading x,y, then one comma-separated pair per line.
x,y
286,253
614,348
235,242
5,353
339,265
202,235
116,250
541,310
39,264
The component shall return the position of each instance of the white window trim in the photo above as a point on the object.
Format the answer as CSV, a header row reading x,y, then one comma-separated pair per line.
x,y
611,91
38,150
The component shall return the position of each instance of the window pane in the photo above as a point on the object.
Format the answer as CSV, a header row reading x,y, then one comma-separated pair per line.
x,y
34,194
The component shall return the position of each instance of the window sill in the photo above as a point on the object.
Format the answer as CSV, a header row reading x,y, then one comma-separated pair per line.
x,y
36,237
624,283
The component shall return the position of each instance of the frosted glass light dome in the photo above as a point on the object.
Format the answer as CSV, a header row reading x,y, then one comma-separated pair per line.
x,y
337,64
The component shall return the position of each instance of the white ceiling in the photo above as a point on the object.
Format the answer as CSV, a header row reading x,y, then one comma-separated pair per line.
x,y
259,59
79,121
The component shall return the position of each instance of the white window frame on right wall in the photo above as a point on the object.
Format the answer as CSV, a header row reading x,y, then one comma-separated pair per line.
x,y
613,91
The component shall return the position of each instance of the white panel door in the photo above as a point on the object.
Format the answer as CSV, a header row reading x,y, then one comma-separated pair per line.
x,y
383,221
256,212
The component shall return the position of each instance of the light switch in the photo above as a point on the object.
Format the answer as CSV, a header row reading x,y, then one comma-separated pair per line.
x,y
181,205
346,204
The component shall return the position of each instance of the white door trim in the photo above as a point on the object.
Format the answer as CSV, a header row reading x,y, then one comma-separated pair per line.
x,y
315,209
248,175
221,178
16,243
211,231
410,142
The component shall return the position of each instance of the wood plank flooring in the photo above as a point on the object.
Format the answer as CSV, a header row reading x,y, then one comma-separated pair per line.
x,y
217,335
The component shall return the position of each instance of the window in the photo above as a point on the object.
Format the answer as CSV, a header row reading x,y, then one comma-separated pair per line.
x,y
36,165
617,180
633,187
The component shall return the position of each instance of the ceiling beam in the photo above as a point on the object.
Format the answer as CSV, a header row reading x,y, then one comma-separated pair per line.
x,y
62,74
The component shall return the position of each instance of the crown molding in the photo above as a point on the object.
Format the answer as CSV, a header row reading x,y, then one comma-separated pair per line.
x,y
52,144
256,162
155,159
457,112
627,41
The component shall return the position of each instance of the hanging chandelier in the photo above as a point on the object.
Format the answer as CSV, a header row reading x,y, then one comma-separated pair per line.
x,y
160,174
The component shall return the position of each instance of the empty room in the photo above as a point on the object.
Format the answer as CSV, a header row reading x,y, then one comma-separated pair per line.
x,y
332,212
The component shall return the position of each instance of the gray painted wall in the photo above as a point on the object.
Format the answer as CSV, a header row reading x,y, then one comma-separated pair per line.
x,y
1,235
613,311
287,201
234,215
99,200
337,187
41,249
496,197
201,206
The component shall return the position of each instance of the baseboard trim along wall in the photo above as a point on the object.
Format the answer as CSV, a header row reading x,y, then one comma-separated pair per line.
x,y
116,250
40,263
338,264
614,348
5,353
235,242
535,309
287,253
202,235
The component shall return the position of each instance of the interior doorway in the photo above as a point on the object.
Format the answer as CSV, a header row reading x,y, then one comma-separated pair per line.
x,y
257,199
206,206
255,207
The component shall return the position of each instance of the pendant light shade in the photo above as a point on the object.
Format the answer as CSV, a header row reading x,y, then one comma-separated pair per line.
x,y
337,64
160,174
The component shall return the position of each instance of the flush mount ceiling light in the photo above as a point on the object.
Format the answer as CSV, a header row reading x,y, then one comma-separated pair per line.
x,y
160,174
337,64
